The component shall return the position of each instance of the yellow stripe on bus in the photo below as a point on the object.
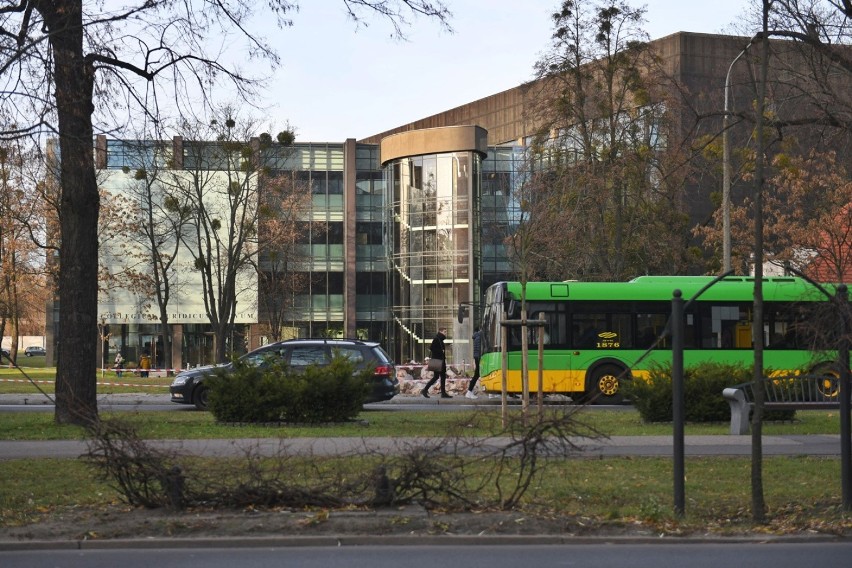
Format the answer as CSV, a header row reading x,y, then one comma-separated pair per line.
x,y
558,381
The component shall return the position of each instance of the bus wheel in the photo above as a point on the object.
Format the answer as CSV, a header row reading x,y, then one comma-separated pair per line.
x,y
828,386
605,386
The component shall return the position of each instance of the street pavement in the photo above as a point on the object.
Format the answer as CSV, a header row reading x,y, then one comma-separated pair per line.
x,y
723,445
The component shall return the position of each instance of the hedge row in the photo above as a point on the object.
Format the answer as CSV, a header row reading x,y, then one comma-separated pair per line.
x,y
702,387
274,393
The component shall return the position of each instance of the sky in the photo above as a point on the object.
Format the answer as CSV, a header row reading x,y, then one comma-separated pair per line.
x,y
339,81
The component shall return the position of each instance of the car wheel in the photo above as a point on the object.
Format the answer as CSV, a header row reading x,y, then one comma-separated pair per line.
x,y
606,385
199,397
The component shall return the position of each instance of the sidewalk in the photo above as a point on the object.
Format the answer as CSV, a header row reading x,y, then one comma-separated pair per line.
x,y
658,446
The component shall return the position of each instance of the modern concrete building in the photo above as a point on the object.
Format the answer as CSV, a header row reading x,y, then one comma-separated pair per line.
x,y
406,215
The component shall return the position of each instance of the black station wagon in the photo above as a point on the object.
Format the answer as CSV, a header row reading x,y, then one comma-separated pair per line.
x,y
188,386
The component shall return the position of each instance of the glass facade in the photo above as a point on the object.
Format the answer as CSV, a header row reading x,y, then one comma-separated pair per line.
x,y
434,255
502,170
397,248
372,298
319,309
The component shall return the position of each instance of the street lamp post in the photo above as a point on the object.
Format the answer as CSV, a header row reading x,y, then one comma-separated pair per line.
x,y
726,164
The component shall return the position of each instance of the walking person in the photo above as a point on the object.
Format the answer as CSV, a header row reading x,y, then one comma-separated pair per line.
x,y
118,364
438,351
477,353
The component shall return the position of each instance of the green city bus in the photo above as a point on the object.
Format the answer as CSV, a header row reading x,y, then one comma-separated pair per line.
x,y
596,333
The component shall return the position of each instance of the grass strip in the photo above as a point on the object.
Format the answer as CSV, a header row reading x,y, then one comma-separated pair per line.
x,y
186,423
802,493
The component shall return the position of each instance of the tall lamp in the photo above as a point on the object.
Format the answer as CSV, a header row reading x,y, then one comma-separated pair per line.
x,y
726,163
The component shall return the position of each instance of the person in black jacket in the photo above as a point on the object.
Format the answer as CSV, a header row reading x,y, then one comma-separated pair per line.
x,y
477,355
438,351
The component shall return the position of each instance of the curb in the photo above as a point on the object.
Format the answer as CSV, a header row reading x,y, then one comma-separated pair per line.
x,y
157,543
136,399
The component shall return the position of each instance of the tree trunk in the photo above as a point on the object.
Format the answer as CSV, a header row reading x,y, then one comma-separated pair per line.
x,y
168,337
758,502
76,389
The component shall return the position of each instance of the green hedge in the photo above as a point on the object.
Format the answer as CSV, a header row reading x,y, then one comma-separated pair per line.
x,y
274,393
702,388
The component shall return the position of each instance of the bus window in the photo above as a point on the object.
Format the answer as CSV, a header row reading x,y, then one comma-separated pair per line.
x,y
725,326
649,327
586,328
619,333
601,331
792,326
555,329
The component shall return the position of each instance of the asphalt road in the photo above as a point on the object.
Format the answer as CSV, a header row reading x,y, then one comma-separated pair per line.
x,y
490,552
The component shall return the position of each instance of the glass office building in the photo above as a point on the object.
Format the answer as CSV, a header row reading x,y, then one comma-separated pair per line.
x,y
391,245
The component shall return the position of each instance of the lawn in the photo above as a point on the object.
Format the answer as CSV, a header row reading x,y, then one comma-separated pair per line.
x,y
33,375
187,423
635,494
802,493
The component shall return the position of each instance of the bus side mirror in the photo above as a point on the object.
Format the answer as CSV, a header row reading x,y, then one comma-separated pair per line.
x,y
462,313
511,313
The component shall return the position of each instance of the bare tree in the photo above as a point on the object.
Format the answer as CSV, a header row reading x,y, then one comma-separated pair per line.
x,y
158,223
22,284
819,77
284,203
219,185
605,160
98,57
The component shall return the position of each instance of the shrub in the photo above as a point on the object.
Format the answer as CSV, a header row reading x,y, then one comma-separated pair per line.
x,y
702,386
274,393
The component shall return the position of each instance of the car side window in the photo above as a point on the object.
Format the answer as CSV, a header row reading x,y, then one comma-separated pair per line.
x,y
261,357
304,355
354,355
380,355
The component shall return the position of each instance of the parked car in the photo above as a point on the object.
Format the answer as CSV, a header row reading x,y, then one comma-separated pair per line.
x,y
34,350
188,386
5,352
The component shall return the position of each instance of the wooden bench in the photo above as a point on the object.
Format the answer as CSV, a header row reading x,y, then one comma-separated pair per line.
x,y
788,392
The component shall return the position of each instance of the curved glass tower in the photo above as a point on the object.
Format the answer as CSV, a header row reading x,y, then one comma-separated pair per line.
x,y
433,183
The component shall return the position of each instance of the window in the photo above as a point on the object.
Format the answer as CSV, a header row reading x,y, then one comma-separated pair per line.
x,y
335,282
352,354
335,233
318,185
138,154
370,283
555,323
649,326
368,233
304,355
725,326
600,325
335,183
261,358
